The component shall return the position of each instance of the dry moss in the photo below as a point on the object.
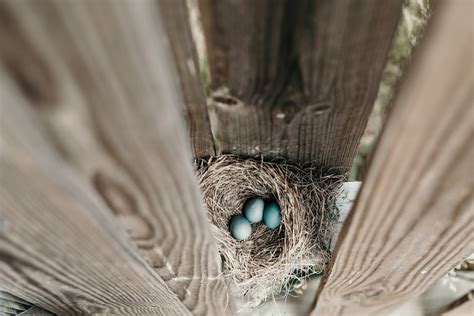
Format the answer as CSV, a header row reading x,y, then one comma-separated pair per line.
x,y
266,263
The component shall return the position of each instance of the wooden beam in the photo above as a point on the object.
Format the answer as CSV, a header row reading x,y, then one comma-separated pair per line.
x,y
463,306
176,21
100,77
60,247
413,220
296,79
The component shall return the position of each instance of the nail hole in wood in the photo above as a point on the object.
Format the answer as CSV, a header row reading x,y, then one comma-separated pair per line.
x,y
225,100
318,109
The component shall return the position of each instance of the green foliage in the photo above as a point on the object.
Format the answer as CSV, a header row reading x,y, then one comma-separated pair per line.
x,y
205,75
415,14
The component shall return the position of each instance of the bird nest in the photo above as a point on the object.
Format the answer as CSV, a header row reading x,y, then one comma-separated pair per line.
x,y
270,261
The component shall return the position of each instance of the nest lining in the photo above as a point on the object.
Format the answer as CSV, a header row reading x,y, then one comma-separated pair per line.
x,y
269,261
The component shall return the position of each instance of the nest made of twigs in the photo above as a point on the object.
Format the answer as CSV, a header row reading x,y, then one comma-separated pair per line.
x,y
269,261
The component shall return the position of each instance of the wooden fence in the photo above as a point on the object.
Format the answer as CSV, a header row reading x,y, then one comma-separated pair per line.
x,y
94,144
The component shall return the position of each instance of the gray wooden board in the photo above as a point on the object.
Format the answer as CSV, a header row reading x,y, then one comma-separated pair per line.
x,y
414,217
60,247
296,79
98,81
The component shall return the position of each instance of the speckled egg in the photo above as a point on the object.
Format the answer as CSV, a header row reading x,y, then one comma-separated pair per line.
x,y
272,215
253,209
240,228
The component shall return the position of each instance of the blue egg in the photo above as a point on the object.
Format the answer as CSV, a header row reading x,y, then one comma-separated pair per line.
x,y
253,209
272,215
240,228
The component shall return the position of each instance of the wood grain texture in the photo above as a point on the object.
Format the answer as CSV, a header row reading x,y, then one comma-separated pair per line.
x,y
463,306
176,22
60,247
414,217
99,76
296,79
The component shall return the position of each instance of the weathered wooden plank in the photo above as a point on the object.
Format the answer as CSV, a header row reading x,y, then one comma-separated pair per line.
x,y
60,247
414,218
463,306
296,79
100,76
176,22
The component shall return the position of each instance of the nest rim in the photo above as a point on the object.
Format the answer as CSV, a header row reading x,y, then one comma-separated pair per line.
x,y
267,264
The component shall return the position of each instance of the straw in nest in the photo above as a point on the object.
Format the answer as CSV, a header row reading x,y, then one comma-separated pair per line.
x,y
269,261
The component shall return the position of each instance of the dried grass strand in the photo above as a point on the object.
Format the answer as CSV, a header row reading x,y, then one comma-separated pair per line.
x,y
267,263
